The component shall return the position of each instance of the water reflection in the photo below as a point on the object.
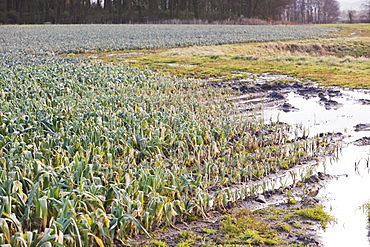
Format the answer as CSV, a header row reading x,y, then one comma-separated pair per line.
x,y
346,111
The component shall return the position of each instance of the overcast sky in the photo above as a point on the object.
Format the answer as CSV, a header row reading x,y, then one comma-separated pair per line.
x,y
350,4
350,1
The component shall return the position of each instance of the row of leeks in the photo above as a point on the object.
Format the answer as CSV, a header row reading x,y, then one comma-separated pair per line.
x,y
91,154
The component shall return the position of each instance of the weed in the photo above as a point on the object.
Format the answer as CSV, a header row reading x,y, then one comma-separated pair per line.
x,y
297,224
209,231
284,226
158,243
187,235
183,244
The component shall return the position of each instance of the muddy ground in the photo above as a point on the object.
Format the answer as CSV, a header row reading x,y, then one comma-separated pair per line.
x,y
272,92
272,207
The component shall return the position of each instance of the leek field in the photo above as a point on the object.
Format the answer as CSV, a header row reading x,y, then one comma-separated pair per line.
x,y
94,153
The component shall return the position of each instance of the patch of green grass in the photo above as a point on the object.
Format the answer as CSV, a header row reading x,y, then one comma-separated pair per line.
x,y
317,213
289,215
273,217
209,231
187,238
183,244
245,227
297,224
284,226
157,243
187,234
262,227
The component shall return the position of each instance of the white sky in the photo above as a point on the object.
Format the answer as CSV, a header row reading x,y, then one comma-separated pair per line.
x,y
351,4
350,1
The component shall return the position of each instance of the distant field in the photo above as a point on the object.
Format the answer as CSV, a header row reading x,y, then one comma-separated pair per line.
x,y
40,39
342,60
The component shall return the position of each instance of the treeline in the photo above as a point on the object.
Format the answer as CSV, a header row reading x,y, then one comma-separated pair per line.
x,y
313,11
156,11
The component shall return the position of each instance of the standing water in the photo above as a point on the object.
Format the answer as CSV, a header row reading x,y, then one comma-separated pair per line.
x,y
345,111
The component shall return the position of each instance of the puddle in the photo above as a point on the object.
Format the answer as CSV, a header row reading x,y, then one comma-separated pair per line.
x,y
316,110
317,117
344,199
345,111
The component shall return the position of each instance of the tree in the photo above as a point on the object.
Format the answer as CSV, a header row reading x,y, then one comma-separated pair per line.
x,y
148,11
366,8
351,15
331,11
313,11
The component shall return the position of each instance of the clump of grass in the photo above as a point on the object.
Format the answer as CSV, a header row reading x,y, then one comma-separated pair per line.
x,y
209,231
157,243
187,234
188,238
299,214
245,227
316,213
297,224
284,226
183,244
